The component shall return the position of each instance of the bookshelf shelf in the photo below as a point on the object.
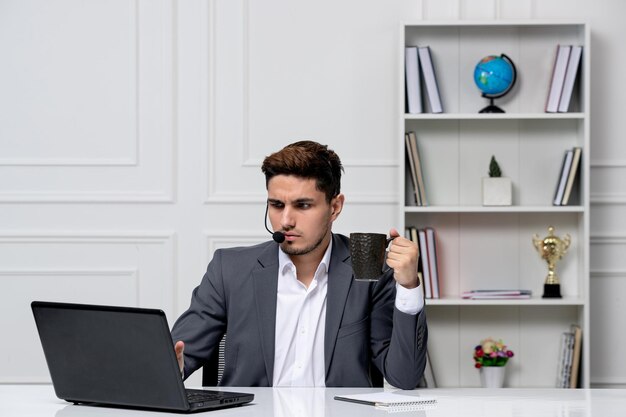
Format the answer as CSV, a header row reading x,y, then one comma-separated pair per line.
x,y
482,209
532,302
487,247
494,116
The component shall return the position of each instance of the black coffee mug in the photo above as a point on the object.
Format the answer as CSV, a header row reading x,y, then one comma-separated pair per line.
x,y
367,251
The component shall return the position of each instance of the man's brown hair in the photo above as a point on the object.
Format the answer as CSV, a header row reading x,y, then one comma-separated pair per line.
x,y
307,159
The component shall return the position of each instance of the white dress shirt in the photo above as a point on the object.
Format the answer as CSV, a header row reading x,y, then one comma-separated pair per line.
x,y
301,322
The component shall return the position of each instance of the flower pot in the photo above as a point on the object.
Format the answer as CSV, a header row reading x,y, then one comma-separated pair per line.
x,y
492,376
497,191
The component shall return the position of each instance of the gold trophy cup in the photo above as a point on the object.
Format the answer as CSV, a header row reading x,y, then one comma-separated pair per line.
x,y
551,248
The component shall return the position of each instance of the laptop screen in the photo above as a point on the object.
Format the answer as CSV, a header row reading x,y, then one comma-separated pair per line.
x,y
110,355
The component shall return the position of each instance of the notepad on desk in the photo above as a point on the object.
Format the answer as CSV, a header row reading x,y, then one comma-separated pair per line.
x,y
390,401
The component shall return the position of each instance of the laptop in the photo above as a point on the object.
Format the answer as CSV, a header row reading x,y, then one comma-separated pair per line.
x,y
118,356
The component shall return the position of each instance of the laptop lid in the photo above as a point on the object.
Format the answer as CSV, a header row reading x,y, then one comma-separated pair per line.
x,y
121,356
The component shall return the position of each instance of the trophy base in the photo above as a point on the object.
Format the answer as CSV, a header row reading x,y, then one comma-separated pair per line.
x,y
551,291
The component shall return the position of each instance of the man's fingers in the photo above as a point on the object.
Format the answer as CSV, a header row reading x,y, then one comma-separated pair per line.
x,y
179,348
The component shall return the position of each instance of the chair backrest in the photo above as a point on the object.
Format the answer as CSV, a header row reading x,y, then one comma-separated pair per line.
x,y
213,370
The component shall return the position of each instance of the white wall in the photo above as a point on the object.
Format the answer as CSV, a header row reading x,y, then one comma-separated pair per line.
x,y
131,134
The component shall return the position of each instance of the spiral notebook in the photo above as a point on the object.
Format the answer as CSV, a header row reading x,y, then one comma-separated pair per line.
x,y
391,401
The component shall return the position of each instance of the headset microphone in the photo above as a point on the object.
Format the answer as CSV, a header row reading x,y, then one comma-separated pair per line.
x,y
278,237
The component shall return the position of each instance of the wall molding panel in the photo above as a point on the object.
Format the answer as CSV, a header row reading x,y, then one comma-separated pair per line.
x,y
237,121
88,287
134,268
74,136
216,240
148,253
608,197
607,239
137,164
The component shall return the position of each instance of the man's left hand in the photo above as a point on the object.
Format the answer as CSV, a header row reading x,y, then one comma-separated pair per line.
x,y
402,258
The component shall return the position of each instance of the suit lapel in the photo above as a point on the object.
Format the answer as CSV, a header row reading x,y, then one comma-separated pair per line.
x,y
265,279
339,281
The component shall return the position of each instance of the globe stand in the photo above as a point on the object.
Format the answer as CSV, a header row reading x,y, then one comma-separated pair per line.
x,y
491,108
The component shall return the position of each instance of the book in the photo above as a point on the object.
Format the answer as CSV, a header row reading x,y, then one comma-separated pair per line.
x,y
573,64
561,361
562,182
567,369
498,297
412,80
430,79
412,171
390,401
432,261
421,189
565,360
576,330
571,176
423,248
413,236
558,78
497,294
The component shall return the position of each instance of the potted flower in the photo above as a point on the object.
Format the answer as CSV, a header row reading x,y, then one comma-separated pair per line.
x,y
491,357
497,190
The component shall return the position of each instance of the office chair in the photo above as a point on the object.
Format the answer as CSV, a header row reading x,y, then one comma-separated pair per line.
x,y
213,370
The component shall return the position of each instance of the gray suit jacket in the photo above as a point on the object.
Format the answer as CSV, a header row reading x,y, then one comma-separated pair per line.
x,y
363,328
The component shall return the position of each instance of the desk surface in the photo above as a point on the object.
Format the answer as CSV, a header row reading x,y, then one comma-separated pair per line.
x,y
40,401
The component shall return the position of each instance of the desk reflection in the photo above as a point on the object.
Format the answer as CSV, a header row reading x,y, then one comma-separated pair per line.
x,y
83,410
276,402
320,402
299,402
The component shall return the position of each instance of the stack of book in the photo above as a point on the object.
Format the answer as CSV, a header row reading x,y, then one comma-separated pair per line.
x,y
569,358
415,165
496,294
564,75
419,68
567,175
428,264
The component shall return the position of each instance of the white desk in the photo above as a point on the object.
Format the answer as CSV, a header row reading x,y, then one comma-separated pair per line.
x,y
40,401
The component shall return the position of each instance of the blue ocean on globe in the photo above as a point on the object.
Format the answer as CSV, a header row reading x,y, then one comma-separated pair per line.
x,y
493,75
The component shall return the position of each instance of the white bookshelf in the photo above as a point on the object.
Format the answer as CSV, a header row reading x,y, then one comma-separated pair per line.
x,y
491,247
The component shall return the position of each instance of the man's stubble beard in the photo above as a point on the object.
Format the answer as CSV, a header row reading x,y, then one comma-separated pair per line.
x,y
293,251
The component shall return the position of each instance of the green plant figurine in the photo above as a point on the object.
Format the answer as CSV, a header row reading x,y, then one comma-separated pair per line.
x,y
494,168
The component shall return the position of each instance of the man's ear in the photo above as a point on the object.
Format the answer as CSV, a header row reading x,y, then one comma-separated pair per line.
x,y
336,205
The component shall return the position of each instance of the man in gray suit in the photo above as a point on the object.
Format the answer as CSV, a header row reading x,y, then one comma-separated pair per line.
x,y
293,313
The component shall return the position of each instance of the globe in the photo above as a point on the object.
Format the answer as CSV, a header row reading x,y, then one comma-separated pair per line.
x,y
494,76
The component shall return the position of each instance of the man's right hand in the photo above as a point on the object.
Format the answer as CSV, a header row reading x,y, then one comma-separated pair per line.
x,y
179,347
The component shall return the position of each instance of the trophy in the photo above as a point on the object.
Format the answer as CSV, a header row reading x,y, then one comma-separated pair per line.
x,y
551,248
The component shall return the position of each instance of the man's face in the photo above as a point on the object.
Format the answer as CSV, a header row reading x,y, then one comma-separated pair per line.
x,y
301,212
